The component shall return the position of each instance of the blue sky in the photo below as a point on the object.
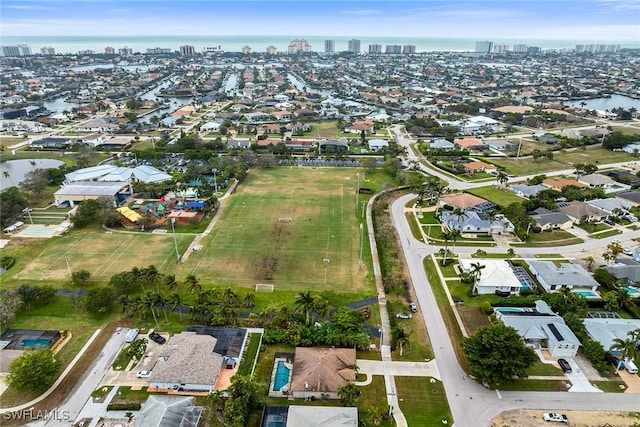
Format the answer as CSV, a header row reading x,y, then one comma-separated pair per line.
x,y
598,20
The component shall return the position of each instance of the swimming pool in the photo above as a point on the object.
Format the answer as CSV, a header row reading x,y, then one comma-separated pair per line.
x,y
282,376
30,343
587,294
510,309
632,291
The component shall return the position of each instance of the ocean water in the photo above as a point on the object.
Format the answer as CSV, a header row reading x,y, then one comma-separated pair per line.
x,y
73,44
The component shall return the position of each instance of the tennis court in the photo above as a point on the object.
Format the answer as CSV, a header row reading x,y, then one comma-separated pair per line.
x,y
42,231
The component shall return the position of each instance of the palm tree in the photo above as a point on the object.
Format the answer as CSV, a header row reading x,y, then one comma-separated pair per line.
x,y
502,178
454,234
305,302
176,300
459,213
249,299
626,347
148,302
230,297
590,261
401,337
7,175
170,282
192,282
624,299
476,270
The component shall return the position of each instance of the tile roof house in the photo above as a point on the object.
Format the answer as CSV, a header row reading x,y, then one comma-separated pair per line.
x,y
478,166
542,328
553,277
467,201
577,210
471,144
560,183
319,371
187,363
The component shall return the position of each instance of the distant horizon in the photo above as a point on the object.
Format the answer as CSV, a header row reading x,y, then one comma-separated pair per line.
x,y
588,20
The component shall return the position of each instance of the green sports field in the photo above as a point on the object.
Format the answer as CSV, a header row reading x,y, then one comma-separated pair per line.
x,y
293,228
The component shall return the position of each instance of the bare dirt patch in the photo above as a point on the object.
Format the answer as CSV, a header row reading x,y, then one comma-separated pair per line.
x,y
531,418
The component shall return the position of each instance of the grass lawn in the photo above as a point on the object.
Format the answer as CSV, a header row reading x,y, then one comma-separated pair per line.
x,y
566,160
423,403
610,386
593,227
545,369
534,385
604,234
499,196
373,401
255,242
250,355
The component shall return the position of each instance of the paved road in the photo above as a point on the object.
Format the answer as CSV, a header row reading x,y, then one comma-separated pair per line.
x,y
74,403
471,404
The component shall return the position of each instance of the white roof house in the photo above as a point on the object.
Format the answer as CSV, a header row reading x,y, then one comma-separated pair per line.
x,y
605,331
118,173
322,416
378,144
541,325
553,277
496,275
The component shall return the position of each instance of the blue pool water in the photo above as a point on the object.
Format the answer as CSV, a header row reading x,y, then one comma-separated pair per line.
x,y
43,342
509,309
587,294
631,290
282,376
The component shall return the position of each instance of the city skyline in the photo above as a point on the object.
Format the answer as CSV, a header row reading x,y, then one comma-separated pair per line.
x,y
597,20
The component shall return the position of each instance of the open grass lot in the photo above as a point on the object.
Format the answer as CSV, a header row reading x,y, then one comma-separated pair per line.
x,y
423,403
499,196
93,250
280,226
528,166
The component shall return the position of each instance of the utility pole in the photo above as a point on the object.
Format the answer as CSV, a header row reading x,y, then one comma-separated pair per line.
x,y
361,243
175,240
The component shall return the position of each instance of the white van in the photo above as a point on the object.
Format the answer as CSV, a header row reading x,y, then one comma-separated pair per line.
x,y
131,335
630,366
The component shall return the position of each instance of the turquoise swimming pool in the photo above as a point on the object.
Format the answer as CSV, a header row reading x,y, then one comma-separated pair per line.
x,y
282,376
587,294
30,343
632,291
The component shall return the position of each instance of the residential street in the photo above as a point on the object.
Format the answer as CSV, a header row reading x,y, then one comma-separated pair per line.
x,y
471,404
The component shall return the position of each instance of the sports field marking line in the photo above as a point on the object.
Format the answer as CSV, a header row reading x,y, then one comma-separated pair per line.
x,y
115,256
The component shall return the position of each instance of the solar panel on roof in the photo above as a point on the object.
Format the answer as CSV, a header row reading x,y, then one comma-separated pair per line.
x,y
556,333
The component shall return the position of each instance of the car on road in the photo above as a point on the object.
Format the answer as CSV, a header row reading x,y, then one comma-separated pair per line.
x,y
554,417
413,307
144,374
564,365
404,315
156,337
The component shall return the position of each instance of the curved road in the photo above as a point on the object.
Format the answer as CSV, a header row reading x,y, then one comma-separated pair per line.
x,y
471,404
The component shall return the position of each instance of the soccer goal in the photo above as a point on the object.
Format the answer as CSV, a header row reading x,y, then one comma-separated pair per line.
x,y
263,287
284,219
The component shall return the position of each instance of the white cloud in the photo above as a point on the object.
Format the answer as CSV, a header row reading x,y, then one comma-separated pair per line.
x,y
26,7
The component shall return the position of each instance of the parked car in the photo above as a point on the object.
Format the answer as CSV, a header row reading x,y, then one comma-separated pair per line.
x,y
555,417
627,252
564,365
413,307
143,374
156,337
404,315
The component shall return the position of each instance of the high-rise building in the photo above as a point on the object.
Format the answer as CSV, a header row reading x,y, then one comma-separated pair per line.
x,y
393,48
246,50
86,52
298,46
125,51
212,49
10,51
354,46
520,48
24,49
500,48
375,48
47,51
187,50
409,48
158,50
484,47
329,46
272,50
109,50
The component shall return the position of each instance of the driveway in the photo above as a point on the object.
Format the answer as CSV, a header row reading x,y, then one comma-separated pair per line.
x,y
399,369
